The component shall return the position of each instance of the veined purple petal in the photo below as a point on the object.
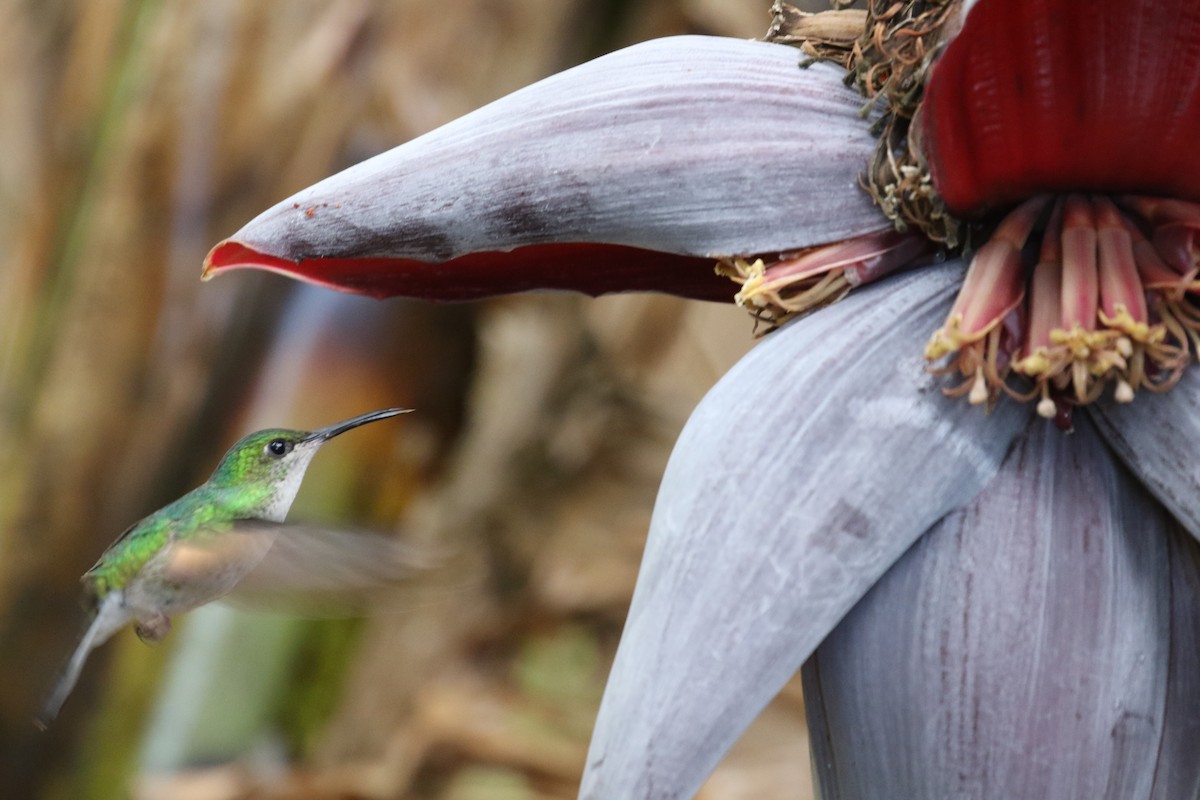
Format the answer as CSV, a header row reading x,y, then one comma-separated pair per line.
x,y
799,480
1040,642
1158,437
632,171
1177,775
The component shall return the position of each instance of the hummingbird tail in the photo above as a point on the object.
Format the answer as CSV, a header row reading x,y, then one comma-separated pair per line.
x,y
110,617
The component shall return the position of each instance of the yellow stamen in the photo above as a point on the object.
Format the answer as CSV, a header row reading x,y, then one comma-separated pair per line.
x,y
795,283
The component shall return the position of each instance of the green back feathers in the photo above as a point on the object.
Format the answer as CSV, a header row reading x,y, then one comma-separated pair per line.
x,y
206,508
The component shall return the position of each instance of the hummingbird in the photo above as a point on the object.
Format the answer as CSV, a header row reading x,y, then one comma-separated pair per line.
x,y
226,534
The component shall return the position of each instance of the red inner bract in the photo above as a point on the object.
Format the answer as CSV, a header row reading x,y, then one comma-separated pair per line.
x,y
593,269
1066,95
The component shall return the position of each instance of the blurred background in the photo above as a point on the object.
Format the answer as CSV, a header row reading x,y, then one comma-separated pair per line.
x,y
137,133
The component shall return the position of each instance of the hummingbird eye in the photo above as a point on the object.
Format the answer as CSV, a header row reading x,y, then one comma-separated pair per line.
x,y
279,447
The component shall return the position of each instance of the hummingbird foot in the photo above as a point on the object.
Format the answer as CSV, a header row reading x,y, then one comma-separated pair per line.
x,y
153,630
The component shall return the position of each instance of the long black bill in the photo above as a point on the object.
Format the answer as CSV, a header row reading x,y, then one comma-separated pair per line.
x,y
330,431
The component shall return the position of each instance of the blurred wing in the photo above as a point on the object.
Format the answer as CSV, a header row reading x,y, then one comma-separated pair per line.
x,y
212,561
317,571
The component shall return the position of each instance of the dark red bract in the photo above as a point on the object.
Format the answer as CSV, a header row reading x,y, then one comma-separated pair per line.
x,y
1066,95
586,267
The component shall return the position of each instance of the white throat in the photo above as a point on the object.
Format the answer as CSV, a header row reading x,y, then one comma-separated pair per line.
x,y
277,506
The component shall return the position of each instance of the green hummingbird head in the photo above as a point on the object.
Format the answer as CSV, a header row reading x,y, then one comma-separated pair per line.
x,y
270,464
